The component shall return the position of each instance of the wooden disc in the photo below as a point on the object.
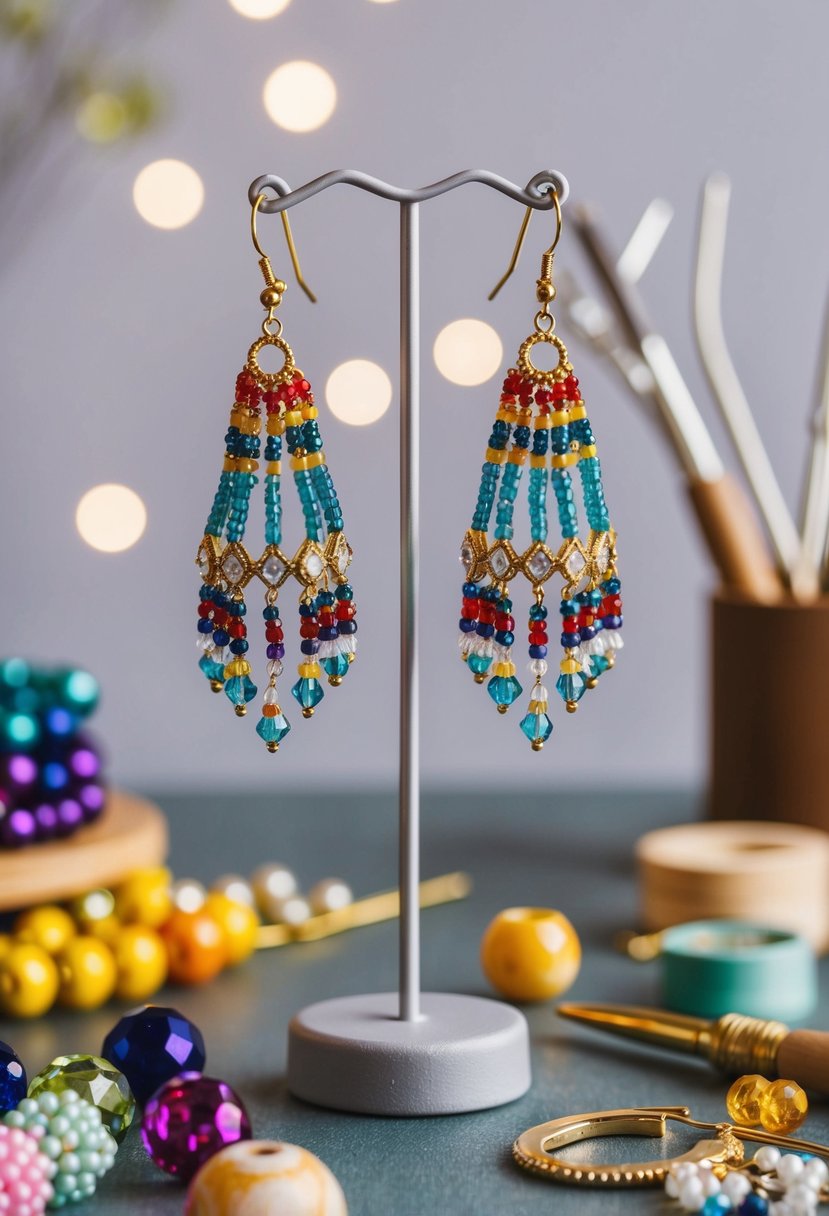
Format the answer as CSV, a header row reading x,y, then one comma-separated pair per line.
x,y
130,833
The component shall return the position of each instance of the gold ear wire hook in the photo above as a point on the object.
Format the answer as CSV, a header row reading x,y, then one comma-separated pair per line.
x,y
546,291
273,284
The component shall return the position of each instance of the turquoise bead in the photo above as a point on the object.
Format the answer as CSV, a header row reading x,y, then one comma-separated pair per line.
x,y
479,663
336,666
598,665
308,693
212,670
504,689
537,727
240,689
273,730
571,687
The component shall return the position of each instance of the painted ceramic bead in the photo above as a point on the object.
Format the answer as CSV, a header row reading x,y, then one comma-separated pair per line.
x,y
239,922
196,946
151,1046
188,1120
49,927
95,1080
783,1107
79,1148
25,1174
265,1178
329,895
144,897
140,961
12,1078
87,973
235,887
743,1100
530,954
29,981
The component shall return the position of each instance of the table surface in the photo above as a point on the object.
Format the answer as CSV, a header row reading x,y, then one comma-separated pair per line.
x,y
572,852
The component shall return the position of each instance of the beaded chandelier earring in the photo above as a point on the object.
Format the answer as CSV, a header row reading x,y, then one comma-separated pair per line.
x,y
541,422
328,629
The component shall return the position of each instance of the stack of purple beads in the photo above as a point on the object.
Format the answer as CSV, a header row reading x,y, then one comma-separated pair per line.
x,y
50,770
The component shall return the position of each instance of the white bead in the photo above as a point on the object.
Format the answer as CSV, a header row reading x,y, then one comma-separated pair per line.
x,y
802,1199
789,1168
672,1187
691,1195
329,895
234,887
710,1183
781,1208
538,667
539,693
735,1187
272,883
682,1170
275,667
188,894
767,1158
292,911
815,1173
270,697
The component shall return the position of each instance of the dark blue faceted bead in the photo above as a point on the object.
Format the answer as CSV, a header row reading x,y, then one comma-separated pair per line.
x,y
570,639
583,597
151,1046
12,1079
221,637
306,610
587,633
238,646
505,606
325,597
467,626
470,591
538,612
612,586
220,599
539,652
485,630
206,592
270,613
327,634
348,627
753,1205
309,645
204,625
505,638
569,608
612,622
237,608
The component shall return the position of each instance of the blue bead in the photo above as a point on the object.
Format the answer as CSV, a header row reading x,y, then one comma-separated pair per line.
x,y
221,637
152,1045
612,622
485,630
238,646
306,610
587,633
479,663
612,586
571,687
347,627
12,1079
536,727
538,652
504,637
716,1205
237,608
538,612
270,613
467,626
212,669
308,693
204,626
273,730
240,689
504,689
470,591
309,646
753,1205
598,665
344,592
337,666
569,640
568,608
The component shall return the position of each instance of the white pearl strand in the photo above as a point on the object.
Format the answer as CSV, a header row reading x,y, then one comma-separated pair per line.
x,y
795,1184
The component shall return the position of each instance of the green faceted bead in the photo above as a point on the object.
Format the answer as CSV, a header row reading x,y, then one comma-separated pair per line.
x,y
97,1082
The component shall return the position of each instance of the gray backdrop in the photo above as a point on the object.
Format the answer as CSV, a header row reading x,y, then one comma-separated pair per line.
x,y
123,341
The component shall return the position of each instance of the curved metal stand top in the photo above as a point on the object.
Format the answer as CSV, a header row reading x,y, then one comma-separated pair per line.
x,y
537,193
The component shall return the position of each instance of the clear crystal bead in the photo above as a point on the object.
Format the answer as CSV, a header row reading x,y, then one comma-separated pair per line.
x,y
232,568
467,555
539,564
313,564
575,563
272,569
204,562
499,562
603,555
343,555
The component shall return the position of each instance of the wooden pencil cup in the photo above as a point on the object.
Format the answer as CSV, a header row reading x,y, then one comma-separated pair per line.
x,y
770,711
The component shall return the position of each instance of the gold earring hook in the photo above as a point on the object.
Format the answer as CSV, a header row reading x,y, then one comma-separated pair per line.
x,y
546,292
265,262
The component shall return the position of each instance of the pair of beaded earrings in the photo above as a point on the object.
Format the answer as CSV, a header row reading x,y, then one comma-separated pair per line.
x,y
541,421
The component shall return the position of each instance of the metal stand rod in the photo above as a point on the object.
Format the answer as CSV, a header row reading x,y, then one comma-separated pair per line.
x,y
537,194
409,587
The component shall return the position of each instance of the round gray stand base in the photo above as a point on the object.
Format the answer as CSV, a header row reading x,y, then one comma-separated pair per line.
x,y
465,1053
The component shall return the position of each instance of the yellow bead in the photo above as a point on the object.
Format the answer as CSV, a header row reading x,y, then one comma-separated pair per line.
x,y
144,898
743,1100
87,973
49,927
530,954
6,943
239,922
28,981
140,961
783,1107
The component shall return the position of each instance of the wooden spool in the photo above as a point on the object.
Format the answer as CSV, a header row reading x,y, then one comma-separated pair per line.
x,y
131,833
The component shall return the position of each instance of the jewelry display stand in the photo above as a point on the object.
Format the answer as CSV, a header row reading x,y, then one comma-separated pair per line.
x,y
409,1053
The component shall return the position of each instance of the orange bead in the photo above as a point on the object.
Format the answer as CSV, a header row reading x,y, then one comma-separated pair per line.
x,y
530,954
196,946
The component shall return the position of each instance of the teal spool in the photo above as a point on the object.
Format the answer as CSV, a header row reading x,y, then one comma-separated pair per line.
x,y
714,967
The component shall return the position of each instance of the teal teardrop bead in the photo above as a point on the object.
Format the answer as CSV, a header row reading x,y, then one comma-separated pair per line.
x,y
598,665
571,687
308,693
537,727
212,670
479,663
336,666
504,689
273,730
240,689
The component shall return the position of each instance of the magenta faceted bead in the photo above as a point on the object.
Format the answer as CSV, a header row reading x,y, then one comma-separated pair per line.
x,y
188,1120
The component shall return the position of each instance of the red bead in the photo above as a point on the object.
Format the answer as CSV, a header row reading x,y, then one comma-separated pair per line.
x,y
470,603
236,628
205,608
613,604
219,618
309,627
486,614
272,632
571,383
559,392
346,611
570,624
585,620
326,618
506,622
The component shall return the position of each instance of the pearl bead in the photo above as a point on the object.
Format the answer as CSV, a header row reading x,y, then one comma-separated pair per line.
x,y
263,1178
293,911
188,894
815,1173
789,1168
710,1183
234,887
735,1187
271,884
767,1158
802,1198
691,1195
329,895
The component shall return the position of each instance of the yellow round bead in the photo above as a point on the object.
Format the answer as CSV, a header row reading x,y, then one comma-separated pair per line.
x,y
144,898
28,981
6,943
49,927
91,907
530,954
743,1100
239,922
87,973
783,1107
140,961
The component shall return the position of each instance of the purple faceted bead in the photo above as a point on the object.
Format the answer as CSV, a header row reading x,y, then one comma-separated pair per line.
x,y
153,1044
18,828
84,762
188,1120
46,818
92,798
70,816
21,771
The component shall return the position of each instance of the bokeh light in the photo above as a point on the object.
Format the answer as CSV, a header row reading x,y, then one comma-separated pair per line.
x,y
111,518
300,96
468,351
358,392
168,193
258,10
